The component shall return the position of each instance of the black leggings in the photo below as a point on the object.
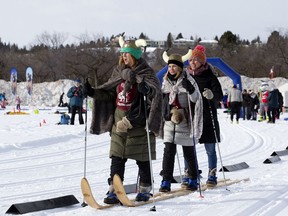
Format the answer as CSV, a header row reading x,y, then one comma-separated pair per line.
x,y
169,160
118,167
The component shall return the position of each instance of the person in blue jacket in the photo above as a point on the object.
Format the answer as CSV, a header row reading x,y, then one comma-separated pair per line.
x,y
76,96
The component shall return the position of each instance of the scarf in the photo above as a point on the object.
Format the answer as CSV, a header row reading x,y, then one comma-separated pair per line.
x,y
198,71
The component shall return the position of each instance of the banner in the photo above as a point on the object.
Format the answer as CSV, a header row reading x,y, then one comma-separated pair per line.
x,y
13,79
29,79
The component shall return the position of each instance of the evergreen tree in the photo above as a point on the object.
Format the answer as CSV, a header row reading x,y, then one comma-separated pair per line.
x,y
228,39
169,41
179,36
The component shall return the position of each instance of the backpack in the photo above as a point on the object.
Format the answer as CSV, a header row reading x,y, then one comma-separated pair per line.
x,y
65,119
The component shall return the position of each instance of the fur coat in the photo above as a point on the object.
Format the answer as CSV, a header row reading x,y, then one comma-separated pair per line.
x,y
183,132
103,110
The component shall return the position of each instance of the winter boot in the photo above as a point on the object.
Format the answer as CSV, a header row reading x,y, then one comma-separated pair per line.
x,y
192,185
111,196
165,186
185,179
185,182
144,193
212,179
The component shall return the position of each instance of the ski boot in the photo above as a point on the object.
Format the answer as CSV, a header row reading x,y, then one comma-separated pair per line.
x,y
165,186
144,193
212,179
192,185
111,197
185,179
185,182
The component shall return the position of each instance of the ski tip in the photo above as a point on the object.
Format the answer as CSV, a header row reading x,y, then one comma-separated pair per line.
x,y
153,209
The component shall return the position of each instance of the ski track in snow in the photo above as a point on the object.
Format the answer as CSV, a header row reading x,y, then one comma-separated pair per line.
x,y
59,163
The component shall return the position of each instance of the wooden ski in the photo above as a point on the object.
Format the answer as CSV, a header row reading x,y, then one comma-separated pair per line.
x,y
88,196
122,196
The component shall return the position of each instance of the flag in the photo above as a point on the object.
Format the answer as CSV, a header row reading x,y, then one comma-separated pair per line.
x,y
29,79
13,79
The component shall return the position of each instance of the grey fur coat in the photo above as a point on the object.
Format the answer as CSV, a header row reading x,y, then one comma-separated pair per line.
x,y
183,133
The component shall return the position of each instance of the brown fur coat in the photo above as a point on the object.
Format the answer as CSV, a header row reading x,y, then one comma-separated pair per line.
x,y
103,110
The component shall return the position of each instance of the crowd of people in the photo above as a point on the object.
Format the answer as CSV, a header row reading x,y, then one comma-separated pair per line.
x,y
267,103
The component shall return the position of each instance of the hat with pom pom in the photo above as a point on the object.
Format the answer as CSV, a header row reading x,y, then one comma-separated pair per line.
x,y
199,54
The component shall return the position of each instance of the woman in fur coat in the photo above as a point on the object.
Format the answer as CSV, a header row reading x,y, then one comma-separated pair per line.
x,y
119,108
182,104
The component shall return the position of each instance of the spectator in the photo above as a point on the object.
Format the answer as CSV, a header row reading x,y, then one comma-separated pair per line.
x,y
246,105
280,101
235,102
254,104
18,103
61,103
76,96
273,103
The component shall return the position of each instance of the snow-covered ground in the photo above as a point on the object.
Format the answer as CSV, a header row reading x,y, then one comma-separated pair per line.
x,y
47,161
41,160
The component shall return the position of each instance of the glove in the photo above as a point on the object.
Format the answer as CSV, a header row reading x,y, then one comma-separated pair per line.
x,y
123,125
75,92
208,93
143,88
177,116
129,75
87,89
187,85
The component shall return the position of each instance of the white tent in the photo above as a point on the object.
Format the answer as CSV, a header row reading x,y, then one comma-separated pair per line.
x,y
284,90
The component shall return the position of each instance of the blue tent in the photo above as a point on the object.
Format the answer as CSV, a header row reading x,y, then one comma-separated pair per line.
x,y
216,62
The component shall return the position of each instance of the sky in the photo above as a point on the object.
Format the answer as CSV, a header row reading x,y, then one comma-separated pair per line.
x,y
40,160
23,21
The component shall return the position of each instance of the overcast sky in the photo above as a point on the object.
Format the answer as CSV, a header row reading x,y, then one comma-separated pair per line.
x,y
23,20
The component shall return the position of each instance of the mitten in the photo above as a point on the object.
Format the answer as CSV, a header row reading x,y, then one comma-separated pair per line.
x,y
187,85
123,125
143,88
177,116
129,75
208,93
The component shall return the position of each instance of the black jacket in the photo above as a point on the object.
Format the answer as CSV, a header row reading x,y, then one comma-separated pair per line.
x,y
207,79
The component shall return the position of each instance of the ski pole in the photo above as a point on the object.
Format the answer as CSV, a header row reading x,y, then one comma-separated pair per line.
x,y
85,148
218,148
193,137
149,149
179,166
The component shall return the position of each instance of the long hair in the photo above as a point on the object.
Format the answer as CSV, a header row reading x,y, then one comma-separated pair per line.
x,y
131,59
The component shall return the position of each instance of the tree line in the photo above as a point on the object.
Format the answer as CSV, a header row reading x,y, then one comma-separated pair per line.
x,y
94,59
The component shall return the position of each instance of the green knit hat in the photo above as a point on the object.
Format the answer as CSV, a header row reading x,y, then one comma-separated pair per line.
x,y
130,47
